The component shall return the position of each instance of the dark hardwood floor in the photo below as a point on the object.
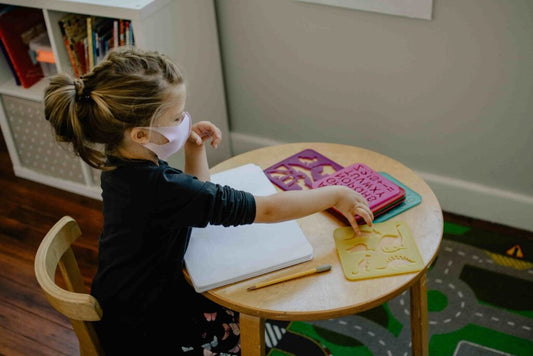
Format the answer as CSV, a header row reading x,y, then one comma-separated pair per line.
x,y
28,324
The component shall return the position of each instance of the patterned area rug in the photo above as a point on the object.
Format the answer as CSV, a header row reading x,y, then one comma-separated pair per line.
x,y
480,301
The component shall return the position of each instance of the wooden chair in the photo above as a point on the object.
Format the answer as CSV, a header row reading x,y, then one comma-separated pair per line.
x,y
80,307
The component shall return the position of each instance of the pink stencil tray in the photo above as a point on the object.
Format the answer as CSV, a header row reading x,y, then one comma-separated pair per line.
x,y
381,193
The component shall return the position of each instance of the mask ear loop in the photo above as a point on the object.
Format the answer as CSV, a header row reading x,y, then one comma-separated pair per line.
x,y
154,117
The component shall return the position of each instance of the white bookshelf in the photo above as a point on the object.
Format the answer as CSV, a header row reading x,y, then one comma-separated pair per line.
x,y
26,132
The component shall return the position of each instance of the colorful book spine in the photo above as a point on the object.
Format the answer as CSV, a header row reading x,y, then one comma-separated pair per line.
x,y
115,33
121,32
69,46
132,40
90,44
127,33
95,48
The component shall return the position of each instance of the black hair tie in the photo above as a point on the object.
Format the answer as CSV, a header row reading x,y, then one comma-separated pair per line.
x,y
84,98
81,92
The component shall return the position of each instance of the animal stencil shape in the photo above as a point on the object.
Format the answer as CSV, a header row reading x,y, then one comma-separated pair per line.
x,y
300,170
384,249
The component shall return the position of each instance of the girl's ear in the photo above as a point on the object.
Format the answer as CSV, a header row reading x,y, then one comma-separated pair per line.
x,y
139,135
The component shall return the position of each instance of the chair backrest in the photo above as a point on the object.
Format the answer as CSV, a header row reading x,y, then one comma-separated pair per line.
x,y
80,307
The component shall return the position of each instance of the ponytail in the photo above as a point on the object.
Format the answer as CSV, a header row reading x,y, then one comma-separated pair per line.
x,y
61,100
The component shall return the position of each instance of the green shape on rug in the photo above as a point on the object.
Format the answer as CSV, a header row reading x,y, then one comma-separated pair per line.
x,y
437,301
454,229
394,325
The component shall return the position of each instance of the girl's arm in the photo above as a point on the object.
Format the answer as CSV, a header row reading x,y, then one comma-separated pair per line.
x,y
195,155
296,204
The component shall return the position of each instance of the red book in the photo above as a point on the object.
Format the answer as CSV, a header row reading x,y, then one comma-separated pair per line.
x,y
121,32
18,26
381,194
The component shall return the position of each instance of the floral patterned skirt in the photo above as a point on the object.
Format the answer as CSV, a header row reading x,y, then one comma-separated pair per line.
x,y
214,332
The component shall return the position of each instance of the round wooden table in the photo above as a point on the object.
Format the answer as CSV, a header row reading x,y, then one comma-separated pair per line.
x,y
330,295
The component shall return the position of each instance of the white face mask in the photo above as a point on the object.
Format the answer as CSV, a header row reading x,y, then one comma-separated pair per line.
x,y
176,136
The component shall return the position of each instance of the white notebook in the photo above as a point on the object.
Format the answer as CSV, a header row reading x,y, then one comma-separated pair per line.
x,y
219,255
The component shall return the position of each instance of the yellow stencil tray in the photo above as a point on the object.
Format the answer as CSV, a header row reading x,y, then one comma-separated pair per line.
x,y
384,249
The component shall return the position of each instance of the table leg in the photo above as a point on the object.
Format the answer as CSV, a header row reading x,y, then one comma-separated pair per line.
x,y
419,317
252,335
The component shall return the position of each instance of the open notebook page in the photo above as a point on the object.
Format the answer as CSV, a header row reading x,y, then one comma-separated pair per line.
x,y
219,255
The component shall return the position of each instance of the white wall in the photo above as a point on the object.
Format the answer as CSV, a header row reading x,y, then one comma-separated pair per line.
x,y
451,97
193,43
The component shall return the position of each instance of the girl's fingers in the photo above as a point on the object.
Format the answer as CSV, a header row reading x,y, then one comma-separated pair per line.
x,y
217,137
195,138
206,130
353,222
367,217
366,214
214,135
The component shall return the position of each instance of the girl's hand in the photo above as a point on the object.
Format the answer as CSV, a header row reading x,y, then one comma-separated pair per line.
x,y
203,131
352,203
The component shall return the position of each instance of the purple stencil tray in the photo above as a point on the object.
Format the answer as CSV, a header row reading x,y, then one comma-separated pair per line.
x,y
307,165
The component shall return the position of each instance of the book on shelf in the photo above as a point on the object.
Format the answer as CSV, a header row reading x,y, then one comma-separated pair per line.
x,y
102,37
121,33
41,51
10,65
74,31
115,33
88,39
18,26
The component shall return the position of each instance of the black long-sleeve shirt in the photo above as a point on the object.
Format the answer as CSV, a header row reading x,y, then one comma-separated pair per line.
x,y
149,211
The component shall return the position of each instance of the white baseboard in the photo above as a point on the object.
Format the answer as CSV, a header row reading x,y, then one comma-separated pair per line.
x,y
482,202
454,195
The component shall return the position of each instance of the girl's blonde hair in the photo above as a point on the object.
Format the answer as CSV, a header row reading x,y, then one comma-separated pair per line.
x,y
127,89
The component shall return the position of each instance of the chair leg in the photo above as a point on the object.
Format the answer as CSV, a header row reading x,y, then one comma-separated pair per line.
x,y
87,338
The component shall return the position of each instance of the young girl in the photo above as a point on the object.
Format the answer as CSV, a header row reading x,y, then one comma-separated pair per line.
x,y
126,117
